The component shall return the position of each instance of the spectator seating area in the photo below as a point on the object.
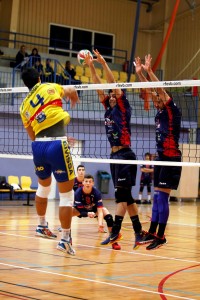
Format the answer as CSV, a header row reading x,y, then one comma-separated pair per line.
x,y
13,186
58,66
83,74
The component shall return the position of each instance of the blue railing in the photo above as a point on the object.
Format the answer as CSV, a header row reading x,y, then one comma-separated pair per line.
x,y
18,38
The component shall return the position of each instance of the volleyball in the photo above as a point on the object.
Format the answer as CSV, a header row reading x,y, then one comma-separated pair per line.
x,y
81,56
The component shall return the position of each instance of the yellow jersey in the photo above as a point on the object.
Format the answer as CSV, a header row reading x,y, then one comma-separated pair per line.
x,y
42,108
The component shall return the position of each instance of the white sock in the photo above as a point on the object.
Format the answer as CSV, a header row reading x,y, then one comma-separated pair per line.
x,y
42,221
149,197
65,234
140,197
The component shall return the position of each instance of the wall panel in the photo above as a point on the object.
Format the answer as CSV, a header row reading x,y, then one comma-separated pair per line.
x,y
118,17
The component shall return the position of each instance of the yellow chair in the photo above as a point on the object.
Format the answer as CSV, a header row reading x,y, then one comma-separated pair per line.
x,y
26,182
99,71
84,79
122,76
77,77
133,78
87,71
115,74
79,70
13,180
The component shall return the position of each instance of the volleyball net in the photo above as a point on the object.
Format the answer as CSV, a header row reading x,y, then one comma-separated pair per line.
x,y
86,130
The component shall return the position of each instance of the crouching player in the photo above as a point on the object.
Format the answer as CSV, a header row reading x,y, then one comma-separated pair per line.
x,y
88,203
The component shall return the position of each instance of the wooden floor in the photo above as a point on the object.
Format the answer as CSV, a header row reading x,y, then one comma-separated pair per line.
x,y
32,268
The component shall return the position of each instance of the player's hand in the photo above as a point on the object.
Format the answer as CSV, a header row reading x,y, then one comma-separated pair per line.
x,y
91,214
138,65
99,58
102,229
88,59
147,65
71,141
72,95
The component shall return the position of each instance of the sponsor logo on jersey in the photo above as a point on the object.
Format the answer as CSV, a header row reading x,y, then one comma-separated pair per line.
x,y
68,160
59,171
40,168
51,91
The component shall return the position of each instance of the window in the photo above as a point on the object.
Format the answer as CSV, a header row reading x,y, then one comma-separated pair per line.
x,y
68,41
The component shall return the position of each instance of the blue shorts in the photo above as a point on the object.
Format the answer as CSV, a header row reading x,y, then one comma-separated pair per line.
x,y
167,177
123,175
53,156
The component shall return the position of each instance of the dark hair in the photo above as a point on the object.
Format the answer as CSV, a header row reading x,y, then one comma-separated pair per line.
x,y
147,153
35,49
169,94
88,176
80,166
30,77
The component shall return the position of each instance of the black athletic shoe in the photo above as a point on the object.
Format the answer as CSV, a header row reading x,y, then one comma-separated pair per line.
x,y
146,239
157,243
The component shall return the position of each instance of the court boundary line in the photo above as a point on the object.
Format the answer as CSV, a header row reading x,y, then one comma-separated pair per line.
x,y
94,281
133,252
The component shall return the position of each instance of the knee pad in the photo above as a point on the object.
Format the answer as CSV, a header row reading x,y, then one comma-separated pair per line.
x,y
67,199
109,220
141,188
124,195
43,191
148,188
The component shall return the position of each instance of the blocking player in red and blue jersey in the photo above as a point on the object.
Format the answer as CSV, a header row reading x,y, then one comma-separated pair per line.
x,y
88,203
166,178
118,131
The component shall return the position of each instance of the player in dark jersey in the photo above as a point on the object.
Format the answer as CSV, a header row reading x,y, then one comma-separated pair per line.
x,y
78,181
117,125
88,203
146,180
166,178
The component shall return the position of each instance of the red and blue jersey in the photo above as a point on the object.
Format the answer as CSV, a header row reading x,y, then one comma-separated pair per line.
x,y
168,124
146,175
77,184
88,201
117,122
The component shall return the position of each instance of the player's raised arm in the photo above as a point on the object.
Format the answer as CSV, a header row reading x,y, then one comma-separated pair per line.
x,y
108,73
95,77
71,94
147,67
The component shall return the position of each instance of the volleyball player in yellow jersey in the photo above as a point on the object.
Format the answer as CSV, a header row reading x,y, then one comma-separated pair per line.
x,y
44,119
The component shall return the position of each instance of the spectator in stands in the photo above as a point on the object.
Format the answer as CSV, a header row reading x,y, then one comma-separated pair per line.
x,y
22,57
39,67
34,56
44,120
49,72
69,70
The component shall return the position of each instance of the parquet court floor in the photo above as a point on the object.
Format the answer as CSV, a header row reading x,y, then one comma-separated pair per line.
x,y
32,268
